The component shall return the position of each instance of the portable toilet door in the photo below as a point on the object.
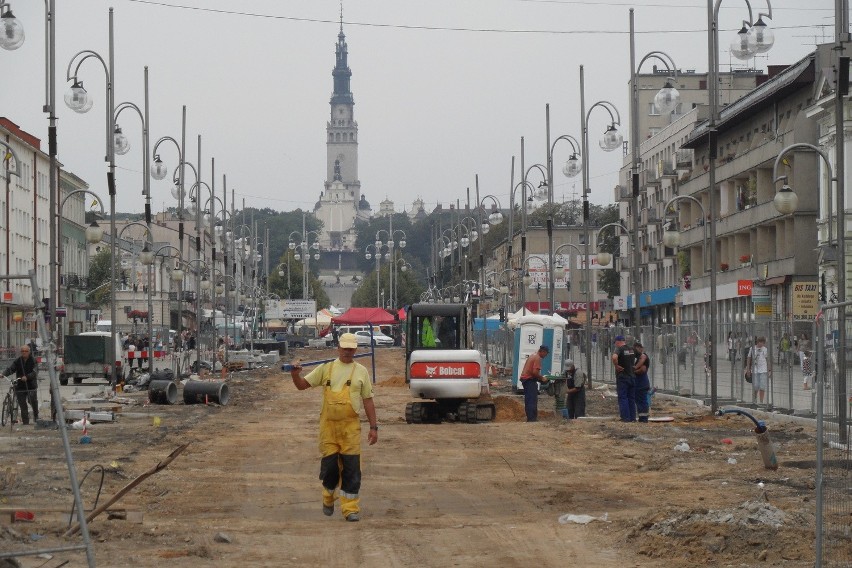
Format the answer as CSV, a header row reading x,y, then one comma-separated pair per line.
x,y
555,339
528,338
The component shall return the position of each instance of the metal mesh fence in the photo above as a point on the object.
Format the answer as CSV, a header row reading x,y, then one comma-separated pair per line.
x,y
834,466
681,356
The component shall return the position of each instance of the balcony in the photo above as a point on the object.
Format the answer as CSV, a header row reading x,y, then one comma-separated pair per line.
x,y
623,193
683,159
649,217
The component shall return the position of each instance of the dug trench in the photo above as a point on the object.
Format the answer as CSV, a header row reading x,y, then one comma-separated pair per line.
x,y
245,492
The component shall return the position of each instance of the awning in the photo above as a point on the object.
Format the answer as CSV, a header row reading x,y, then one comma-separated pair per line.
x,y
775,281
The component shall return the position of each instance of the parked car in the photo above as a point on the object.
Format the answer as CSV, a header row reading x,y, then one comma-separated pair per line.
x,y
379,338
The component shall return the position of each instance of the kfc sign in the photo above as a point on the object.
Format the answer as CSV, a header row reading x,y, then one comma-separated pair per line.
x,y
423,370
744,287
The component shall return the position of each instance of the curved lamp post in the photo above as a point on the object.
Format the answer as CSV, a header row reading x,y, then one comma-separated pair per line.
x,y
666,100
757,39
177,274
78,100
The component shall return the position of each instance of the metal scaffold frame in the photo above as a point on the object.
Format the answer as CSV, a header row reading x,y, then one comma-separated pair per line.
x,y
50,358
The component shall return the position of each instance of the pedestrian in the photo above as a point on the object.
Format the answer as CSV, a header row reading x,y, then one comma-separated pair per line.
x,y
732,351
624,358
335,336
806,360
25,370
530,377
643,383
761,368
575,402
346,388
784,349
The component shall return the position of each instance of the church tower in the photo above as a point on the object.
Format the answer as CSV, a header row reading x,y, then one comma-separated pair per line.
x,y
341,202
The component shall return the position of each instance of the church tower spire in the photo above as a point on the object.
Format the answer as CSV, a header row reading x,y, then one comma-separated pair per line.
x,y
341,202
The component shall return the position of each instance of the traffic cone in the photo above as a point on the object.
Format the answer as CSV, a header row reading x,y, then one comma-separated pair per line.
x,y
85,438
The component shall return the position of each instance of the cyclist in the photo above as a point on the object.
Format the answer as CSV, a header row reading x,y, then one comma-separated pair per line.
x,y
25,370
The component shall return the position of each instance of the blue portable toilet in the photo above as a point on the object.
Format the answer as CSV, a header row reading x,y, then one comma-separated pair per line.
x,y
532,331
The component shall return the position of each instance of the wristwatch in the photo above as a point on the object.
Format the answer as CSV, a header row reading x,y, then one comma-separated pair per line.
x,y
376,428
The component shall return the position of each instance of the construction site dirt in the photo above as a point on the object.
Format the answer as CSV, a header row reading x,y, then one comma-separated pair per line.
x,y
592,492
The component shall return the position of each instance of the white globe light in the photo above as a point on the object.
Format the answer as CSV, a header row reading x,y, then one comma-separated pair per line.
x,y
671,238
159,169
220,289
205,284
387,256
177,275
368,256
404,268
316,256
740,47
604,258
495,218
11,32
611,139
573,166
120,142
177,192
485,228
94,233
760,37
667,99
465,241
297,256
786,200
402,243
76,97
281,273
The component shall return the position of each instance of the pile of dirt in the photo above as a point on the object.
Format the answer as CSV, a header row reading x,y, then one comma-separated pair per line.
x,y
509,409
752,530
394,381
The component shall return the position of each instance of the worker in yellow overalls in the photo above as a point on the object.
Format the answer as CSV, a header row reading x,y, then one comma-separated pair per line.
x,y
346,388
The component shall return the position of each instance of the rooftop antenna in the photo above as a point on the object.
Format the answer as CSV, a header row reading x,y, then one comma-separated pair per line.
x,y
341,16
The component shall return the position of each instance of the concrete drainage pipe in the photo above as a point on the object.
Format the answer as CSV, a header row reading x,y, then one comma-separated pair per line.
x,y
200,392
162,392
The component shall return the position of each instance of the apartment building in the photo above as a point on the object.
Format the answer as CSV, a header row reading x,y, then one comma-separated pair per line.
x,y
754,242
25,237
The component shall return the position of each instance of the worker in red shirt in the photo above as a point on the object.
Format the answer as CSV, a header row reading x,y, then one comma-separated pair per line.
x,y
530,377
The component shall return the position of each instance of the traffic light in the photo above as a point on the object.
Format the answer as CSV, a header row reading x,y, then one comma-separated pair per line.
x,y
502,314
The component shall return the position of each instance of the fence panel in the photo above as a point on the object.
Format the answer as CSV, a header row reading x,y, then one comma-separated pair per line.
x,y
834,461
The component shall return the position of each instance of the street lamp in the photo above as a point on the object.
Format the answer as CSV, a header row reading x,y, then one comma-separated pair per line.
x,y
758,39
603,257
77,99
176,275
667,100
11,30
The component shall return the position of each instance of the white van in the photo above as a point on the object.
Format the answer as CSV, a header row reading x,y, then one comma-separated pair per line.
x,y
104,326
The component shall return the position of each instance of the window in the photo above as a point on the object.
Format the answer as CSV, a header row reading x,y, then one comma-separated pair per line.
x,y
653,110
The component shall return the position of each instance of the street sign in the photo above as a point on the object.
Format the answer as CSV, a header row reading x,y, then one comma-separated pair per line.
x,y
762,310
61,312
299,309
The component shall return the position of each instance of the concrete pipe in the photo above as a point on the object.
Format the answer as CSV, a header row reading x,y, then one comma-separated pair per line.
x,y
200,392
162,392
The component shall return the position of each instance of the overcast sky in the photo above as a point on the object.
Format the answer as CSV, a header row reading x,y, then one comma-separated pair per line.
x,y
437,99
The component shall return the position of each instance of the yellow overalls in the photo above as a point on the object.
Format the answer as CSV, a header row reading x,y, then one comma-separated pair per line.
x,y
340,445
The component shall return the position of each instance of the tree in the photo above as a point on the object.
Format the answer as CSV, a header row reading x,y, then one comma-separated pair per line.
x,y
100,278
407,284
279,285
608,281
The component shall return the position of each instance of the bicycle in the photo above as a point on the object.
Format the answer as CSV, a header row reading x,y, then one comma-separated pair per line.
x,y
10,407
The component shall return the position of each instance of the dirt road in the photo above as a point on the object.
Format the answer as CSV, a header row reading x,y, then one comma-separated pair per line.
x,y
432,495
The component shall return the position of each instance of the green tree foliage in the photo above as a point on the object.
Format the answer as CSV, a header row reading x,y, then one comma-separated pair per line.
x,y
280,285
100,284
608,280
407,283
